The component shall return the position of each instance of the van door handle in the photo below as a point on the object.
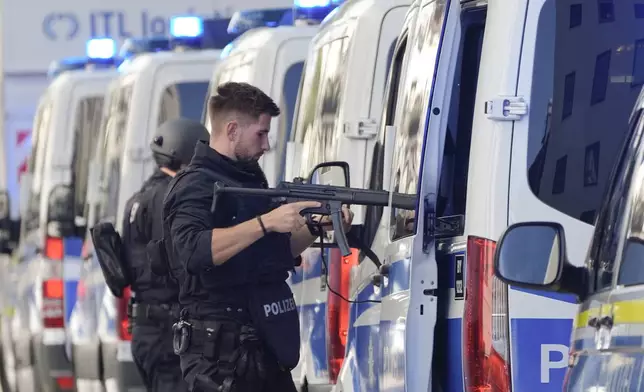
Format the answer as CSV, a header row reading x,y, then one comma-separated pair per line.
x,y
596,322
606,321
593,322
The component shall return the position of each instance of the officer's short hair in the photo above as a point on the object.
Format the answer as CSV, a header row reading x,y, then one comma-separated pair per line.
x,y
242,98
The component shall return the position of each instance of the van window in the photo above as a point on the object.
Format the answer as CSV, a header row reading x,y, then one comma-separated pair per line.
x,y
452,189
36,164
115,123
373,214
318,125
585,83
624,206
287,107
410,133
184,100
86,130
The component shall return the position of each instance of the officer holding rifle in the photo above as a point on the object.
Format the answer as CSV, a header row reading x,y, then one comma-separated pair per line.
x,y
239,328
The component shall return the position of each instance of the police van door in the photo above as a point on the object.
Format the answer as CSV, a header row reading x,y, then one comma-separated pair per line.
x,y
409,306
580,75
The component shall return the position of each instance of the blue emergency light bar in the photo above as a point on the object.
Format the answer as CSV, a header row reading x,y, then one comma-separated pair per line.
x,y
245,20
186,32
313,11
133,46
100,48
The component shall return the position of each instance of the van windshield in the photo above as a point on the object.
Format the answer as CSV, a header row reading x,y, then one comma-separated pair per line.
x,y
588,72
114,129
183,99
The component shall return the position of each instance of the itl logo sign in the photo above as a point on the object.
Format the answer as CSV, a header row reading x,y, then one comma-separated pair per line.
x,y
553,356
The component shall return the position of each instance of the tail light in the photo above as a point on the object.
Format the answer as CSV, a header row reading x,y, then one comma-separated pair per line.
x,y
65,383
53,308
487,365
338,309
122,318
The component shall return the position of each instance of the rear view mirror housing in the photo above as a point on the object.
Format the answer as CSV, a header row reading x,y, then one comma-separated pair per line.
x,y
334,173
533,255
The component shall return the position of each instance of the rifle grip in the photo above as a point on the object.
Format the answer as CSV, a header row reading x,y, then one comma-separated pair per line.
x,y
338,232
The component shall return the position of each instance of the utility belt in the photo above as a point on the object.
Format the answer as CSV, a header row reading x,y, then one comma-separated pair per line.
x,y
232,346
154,314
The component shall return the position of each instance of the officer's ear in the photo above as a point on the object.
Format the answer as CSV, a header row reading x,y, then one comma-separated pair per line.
x,y
232,127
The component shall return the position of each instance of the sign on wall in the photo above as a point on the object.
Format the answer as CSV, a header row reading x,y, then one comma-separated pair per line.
x,y
37,32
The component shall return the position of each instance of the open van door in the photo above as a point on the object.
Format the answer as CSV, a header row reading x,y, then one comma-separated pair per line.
x,y
409,307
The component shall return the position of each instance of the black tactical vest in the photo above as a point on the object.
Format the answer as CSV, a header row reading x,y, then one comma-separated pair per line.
x,y
148,287
267,260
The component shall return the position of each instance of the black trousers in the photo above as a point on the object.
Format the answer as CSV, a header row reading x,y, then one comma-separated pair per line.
x,y
201,374
154,356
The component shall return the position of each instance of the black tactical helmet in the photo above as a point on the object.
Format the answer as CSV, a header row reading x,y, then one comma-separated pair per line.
x,y
174,142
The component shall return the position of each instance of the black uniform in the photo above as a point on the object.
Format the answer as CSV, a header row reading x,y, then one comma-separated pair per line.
x,y
240,328
155,307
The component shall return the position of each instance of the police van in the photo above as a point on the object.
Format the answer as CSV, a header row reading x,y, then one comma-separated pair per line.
x,y
53,206
495,112
93,329
272,59
339,106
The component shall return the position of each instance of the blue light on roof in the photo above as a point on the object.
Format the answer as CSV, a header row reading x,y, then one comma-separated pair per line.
x,y
313,11
312,3
186,27
100,48
245,20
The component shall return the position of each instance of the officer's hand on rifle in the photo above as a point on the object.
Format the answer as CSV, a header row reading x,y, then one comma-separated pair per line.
x,y
287,218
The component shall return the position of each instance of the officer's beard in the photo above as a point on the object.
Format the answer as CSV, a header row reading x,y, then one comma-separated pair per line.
x,y
244,159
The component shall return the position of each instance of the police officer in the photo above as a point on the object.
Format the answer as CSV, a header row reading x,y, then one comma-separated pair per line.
x,y
155,306
239,328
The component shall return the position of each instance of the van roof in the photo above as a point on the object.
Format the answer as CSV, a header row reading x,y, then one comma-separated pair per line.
x,y
263,37
154,60
69,78
356,8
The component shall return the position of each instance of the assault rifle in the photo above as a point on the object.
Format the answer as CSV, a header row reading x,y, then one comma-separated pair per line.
x,y
331,197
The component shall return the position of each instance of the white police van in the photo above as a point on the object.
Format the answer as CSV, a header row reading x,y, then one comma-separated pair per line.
x,y
495,113
92,327
53,205
272,59
339,106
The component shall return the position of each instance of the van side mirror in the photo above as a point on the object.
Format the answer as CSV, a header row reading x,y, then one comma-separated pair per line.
x,y
334,173
533,255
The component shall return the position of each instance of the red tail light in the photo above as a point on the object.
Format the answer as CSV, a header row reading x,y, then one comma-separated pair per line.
x,y
487,367
65,383
338,309
53,310
54,249
122,319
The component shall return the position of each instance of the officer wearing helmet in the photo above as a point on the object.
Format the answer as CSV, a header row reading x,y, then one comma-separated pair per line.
x,y
155,296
